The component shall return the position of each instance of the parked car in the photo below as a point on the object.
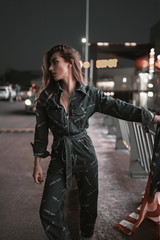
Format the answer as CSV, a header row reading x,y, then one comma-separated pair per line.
x,y
5,93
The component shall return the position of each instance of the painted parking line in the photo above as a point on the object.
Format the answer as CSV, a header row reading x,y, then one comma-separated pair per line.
x,y
17,130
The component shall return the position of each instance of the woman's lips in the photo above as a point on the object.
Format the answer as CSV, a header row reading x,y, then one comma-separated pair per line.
x,y
53,74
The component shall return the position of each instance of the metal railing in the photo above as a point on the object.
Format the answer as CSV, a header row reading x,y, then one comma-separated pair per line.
x,y
145,142
138,142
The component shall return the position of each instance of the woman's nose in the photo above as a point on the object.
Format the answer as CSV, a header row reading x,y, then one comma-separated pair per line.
x,y
51,67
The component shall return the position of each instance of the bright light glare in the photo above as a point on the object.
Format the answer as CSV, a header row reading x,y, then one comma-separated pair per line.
x,y
150,94
150,85
144,77
28,102
127,44
83,40
106,44
132,44
29,93
151,61
109,84
142,94
102,43
124,80
109,93
150,76
152,51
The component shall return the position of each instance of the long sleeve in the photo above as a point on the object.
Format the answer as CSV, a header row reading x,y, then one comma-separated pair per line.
x,y
123,110
41,131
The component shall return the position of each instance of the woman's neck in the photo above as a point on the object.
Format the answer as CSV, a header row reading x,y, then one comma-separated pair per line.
x,y
68,86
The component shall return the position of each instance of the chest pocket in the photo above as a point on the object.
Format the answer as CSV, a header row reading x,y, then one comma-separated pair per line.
x,y
79,117
55,115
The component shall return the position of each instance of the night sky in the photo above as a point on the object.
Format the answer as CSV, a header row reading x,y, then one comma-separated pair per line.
x,y
29,28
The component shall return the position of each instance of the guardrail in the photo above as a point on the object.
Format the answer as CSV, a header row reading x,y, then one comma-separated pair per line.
x,y
138,142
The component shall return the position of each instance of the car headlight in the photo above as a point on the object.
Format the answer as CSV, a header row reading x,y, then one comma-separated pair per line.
x,y
28,102
29,93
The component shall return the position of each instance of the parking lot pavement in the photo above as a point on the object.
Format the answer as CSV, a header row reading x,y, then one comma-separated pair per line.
x,y
119,195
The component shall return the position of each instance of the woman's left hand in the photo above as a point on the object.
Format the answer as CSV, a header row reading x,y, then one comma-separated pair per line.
x,y
156,119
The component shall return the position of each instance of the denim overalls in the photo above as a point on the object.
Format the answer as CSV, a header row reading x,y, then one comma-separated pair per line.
x,y
73,152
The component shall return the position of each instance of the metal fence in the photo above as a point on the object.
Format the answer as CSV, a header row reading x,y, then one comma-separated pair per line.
x,y
138,142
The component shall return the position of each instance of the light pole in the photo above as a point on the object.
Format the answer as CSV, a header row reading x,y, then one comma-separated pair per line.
x,y
87,40
83,41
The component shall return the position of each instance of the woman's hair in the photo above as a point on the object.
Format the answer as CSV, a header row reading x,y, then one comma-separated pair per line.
x,y
69,55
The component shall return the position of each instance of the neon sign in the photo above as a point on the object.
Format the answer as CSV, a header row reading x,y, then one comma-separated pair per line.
x,y
104,63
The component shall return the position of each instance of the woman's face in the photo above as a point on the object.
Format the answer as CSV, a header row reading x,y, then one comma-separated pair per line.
x,y
58,68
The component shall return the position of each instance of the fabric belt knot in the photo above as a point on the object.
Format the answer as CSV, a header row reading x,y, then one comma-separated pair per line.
x,y
67,152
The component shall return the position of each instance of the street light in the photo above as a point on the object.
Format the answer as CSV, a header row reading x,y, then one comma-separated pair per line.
x,y
87,40
83,40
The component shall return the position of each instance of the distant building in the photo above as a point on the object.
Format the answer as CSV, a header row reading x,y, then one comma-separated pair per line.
x,y
138,83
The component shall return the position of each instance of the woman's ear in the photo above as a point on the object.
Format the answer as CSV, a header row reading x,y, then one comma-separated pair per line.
x,y
72,62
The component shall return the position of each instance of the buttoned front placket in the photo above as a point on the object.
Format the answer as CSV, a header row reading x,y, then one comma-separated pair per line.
x,y
67,146
68,150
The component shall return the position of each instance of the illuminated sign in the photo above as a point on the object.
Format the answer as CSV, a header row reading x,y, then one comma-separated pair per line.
x,y
151,60
157,64
104,63
86,64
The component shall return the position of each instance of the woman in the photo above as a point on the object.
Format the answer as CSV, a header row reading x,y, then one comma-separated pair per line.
x,y
64,105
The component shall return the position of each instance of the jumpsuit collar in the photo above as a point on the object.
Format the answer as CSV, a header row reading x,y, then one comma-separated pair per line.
x,y
79,87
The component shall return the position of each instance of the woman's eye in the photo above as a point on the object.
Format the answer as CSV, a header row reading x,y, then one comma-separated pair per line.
x,y
55,62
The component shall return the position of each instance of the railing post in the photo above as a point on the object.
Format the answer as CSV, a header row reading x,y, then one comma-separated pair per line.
x,y
119,140
108,121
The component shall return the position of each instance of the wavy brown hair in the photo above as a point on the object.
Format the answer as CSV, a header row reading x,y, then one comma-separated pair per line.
x,y
69,55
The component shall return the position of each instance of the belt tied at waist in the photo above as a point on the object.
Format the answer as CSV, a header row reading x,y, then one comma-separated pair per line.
x,y
68,153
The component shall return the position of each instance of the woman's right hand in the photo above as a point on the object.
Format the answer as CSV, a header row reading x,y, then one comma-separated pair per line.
x,y
37,172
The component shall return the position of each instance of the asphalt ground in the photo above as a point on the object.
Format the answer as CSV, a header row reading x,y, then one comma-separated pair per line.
x,y
20,197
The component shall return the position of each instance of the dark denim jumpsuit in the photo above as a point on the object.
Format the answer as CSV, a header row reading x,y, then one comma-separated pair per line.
x,y
73,152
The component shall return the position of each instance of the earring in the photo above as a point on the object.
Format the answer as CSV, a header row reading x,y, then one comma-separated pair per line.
x,y
68,66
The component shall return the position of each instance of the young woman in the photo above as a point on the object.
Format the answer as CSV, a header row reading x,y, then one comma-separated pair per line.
x,y
64,105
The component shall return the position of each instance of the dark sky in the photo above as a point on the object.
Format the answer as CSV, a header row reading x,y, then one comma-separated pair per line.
x,y
29,28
